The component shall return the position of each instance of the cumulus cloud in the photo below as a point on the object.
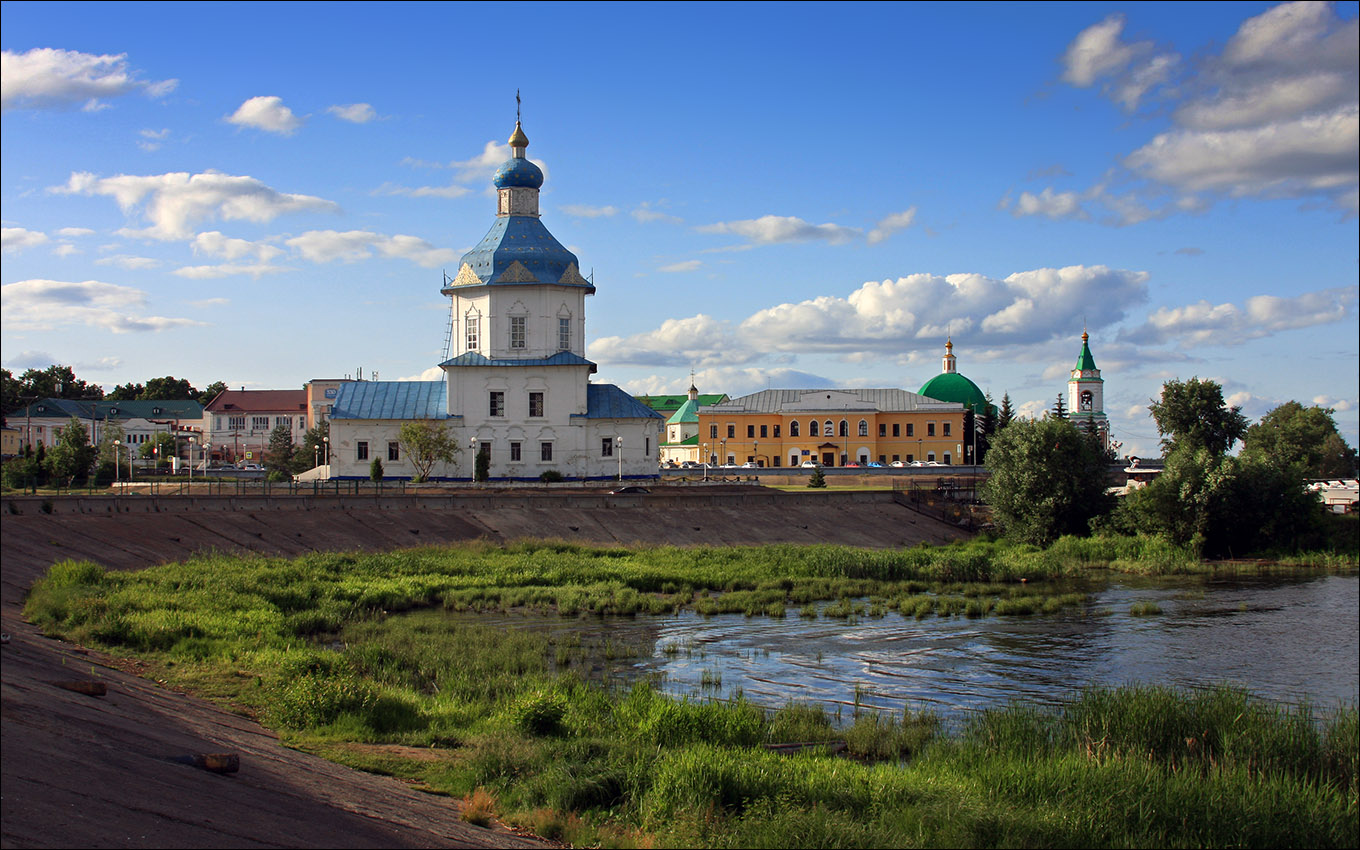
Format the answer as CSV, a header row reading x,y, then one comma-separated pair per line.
x,y
174,202
1204,323
355,113
255,270
1273,114
16,239
647,212
685,266
452,190
152,139
214,244
893,317
1049,204
774,229
75,232
326,246
50,77
266,112
733,381
50,304
892,224
585,211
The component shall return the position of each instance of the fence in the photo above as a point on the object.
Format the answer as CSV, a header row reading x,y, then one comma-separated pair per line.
x,y
951,500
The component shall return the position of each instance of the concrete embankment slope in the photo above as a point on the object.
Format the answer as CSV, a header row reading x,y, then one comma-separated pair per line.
x,y
100,771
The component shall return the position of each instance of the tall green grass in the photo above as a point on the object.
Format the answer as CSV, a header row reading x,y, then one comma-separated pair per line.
x,y
530,716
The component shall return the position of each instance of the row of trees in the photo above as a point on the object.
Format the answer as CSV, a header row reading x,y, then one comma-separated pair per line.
x,y
1049,478
61,382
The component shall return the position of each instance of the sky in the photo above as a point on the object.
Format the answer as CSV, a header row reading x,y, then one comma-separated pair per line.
x,y
791,195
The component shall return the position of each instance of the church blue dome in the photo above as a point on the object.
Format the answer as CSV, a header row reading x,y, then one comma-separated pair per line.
x,y
518,172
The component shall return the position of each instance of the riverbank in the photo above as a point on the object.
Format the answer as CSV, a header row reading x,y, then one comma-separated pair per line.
x,y
515,719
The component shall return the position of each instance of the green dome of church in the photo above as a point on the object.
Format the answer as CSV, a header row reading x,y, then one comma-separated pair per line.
x,y
949,385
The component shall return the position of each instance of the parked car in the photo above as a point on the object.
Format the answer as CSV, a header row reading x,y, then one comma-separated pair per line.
x,y
750,464
898,464
873,464
629,490
809,464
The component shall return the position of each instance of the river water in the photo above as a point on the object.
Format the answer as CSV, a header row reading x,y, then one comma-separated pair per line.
x,y
1284,639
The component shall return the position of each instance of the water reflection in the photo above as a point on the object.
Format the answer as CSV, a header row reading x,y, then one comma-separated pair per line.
x,y
1283,639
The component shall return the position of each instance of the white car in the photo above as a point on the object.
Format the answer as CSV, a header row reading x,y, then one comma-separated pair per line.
x,y
898,464
809,464
750,464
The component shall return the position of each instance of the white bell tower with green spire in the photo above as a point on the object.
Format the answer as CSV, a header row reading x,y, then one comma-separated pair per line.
x,y
1086,394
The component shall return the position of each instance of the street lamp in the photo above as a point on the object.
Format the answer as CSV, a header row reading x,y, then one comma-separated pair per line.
x,y
704,460
207,456
618,449
326,448
723,457
192,440
117,459
755,449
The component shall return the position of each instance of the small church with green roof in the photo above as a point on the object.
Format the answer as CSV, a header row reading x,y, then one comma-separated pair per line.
x,y
951,385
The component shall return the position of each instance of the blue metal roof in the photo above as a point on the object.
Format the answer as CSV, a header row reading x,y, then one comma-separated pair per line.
x,y
391,400
524,239
518,171
561,358
606,401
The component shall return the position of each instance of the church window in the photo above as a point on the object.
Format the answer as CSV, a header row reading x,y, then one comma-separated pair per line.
x,y
812,427
1087,400
394,451
361,450
535,404
827,428
514,451
793,428
545,452
863,428
606,447
946,428
519,337
564,334
497,406
470,339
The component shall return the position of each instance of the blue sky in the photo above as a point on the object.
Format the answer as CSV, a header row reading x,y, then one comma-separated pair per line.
x,y
769,195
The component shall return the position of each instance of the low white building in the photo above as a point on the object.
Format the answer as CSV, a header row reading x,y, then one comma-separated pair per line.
x,y
519,389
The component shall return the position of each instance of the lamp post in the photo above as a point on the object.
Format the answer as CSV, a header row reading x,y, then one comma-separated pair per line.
x,y
704,461
723,456
618,449
755,450
207,459
117,459
192,440
326,449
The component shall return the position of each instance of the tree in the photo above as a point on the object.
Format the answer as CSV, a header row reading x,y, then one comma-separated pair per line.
x,y
1060,408
817,479
279,455
1047,480
984,428
112,430
1007,414
211,392
43,384
426,442
126,392
1305,436
162,446
375,470
168,388
311,453
1192,413
71,456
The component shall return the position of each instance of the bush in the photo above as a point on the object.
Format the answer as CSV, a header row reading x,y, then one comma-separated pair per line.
x,y
550,476
375,470
817,479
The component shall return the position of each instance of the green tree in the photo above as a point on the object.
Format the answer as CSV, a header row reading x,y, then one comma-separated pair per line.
x,y
481,469
1306,436
71,456
984,429
1060,408
211,392
111,430
375,470
1006,414
44,383
1192,413
126,392
279,455
426,442
161,447
817,479
311,453
169,388
1047,480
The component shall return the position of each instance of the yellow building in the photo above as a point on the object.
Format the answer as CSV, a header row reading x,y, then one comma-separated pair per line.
x,y
782,428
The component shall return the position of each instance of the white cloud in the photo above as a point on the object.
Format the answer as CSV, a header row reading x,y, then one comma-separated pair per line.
x,y
75,232
1338,404
48,77
647,213
733,381
210,302
255,270
355,113
774,229
65,249
685,266
450,191
152,139
1098,52
267,113
892,224
325,246
1049,204
584,211
699,340
1203,323
16,239
126,261
214,244
50,304
177,200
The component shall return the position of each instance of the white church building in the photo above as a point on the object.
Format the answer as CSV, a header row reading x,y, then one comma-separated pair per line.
x,y
519,389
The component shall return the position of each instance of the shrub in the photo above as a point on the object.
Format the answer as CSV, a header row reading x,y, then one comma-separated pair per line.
x,y
550,476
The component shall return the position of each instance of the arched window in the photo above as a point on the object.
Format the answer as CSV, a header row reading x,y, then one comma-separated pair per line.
x,y
845,429
830,429
1087,400
812,427
863,428
793,427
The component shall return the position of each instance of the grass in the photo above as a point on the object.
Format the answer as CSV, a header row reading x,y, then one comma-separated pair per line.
x,y
528,730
